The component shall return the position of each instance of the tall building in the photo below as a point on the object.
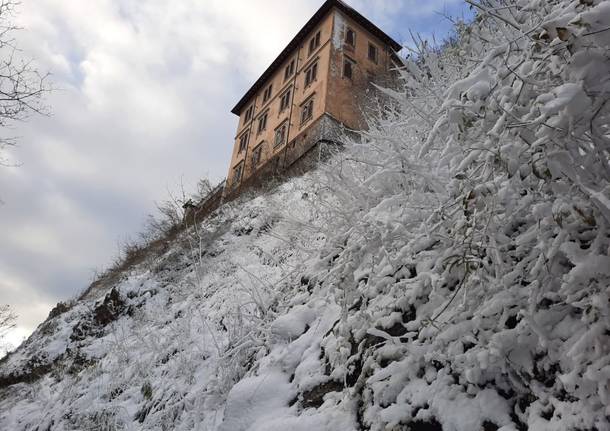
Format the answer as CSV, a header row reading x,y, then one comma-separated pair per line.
x,y
310,91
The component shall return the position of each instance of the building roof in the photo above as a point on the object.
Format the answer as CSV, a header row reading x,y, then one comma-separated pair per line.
x,y
298,39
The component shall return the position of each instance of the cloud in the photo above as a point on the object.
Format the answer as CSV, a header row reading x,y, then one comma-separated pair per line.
x,y
144,93
30,305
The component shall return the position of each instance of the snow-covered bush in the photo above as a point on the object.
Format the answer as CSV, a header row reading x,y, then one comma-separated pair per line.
x,y
448,270
471,229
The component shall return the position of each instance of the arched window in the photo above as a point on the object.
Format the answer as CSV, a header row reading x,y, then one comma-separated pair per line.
x,y
350,37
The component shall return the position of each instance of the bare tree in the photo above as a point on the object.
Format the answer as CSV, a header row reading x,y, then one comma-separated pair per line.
x,y
7,320
22,85
204,188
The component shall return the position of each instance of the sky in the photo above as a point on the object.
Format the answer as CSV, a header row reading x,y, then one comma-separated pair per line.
x,y
141,108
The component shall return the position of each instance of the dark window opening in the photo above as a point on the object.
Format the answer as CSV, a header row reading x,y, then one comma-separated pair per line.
x,y
285,100
281,135
311,74
248,115
243,141
262,122
267,93
237,173
289,71
314,43
348,68
256,154
350,37
307,111
373,56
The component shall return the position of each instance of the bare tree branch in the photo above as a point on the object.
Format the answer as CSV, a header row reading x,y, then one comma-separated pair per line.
x,y
7,320
22,85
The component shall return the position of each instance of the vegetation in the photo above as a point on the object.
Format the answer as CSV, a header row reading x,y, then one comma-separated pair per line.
x,y
22,85
448,270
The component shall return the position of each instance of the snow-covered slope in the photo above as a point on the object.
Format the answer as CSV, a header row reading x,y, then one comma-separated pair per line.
x,y
170,340
448,271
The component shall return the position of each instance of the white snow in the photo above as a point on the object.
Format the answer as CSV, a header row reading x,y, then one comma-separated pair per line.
x,y
449,269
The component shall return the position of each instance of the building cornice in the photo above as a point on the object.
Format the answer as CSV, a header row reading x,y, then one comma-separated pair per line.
x,y
300,37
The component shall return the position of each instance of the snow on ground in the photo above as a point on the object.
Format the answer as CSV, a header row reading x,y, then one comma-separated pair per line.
x,y
447,271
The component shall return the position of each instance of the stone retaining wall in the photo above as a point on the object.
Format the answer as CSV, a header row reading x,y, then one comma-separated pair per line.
x,y
298,157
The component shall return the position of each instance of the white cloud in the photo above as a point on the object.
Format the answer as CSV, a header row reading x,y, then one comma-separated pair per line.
x,y
27,303
145,90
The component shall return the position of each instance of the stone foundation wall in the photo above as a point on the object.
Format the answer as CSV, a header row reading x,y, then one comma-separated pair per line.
x,y
299,156
195,214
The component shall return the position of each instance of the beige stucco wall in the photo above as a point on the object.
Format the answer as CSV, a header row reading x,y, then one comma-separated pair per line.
x,y
332,93
272,106
344,99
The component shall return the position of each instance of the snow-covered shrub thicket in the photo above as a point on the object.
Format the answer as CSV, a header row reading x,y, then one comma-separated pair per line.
x,y
448,271
472,244
162,349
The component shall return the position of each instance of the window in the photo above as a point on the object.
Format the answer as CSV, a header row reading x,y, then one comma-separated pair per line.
x,y
262,122
307,111
256,154
350,37
249,113
281,133
237,173
289,71
243,141
314,43
348,68
311,74
267,93
373,53
285,100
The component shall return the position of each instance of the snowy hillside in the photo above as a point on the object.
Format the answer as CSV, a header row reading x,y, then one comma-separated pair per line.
x,y
175,335
449,271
